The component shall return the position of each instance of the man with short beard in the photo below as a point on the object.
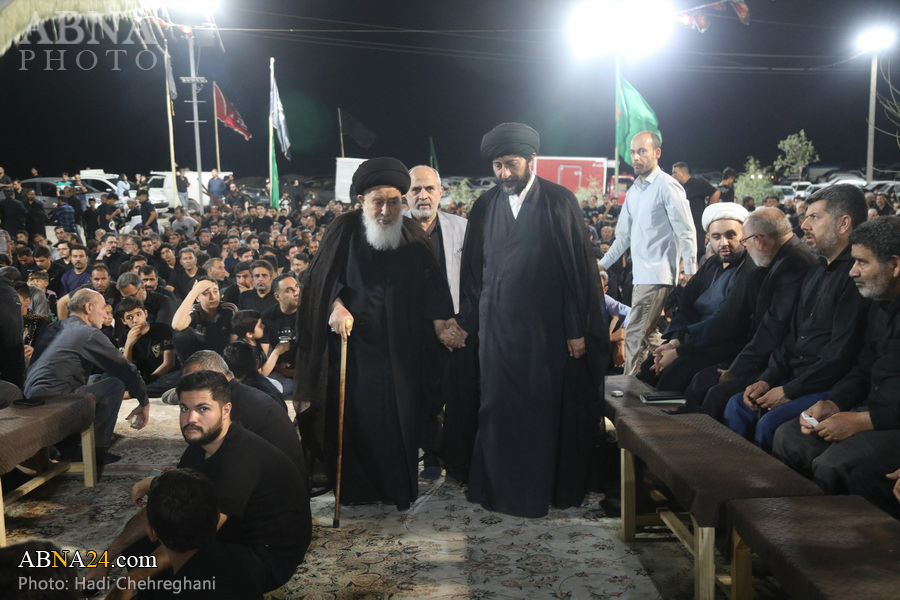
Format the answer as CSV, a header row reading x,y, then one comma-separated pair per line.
x,y
859,421
375,270
446,233
771,245
710,323
531,291
262,499
826,330
656,224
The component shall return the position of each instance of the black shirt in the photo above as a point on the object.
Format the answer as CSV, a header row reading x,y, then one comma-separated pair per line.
x,y
251,300
218,331
826,331
875,379
726,193
147,353
182,282
697,191
278,326
267,418
233,572
261,493
261,224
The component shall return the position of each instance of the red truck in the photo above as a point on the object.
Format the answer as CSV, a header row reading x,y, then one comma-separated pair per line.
x,y
575,172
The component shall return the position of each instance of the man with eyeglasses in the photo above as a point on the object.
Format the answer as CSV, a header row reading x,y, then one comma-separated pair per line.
x,y
827,327
711,324
771,244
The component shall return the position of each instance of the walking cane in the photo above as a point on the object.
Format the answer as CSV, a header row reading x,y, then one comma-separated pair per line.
x,y
348,324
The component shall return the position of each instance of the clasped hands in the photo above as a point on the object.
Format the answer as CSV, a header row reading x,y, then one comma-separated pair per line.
x,y
451,335
763,395
665,355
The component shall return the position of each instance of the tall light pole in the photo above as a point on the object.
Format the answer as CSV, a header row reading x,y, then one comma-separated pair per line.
x,y
874,41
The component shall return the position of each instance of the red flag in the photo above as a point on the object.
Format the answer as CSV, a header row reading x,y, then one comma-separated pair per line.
x,y
228,114
742,10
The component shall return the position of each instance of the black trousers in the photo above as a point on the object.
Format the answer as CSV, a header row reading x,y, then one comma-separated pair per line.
x,y
706,393
868,480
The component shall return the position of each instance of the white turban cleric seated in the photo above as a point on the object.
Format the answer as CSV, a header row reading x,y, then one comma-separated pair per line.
x,y
723,210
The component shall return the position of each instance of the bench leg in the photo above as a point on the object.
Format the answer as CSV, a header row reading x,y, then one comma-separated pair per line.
x,y
88,453
629,496
704,562
741,569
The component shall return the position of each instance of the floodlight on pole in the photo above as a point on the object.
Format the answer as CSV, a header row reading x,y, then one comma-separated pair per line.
x,y
874,40
600,26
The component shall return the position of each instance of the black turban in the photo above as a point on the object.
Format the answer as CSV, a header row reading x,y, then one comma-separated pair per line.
x,y
510,138
380,171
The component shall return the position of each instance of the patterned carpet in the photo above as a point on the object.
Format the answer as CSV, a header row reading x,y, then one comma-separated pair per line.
x,y
443,547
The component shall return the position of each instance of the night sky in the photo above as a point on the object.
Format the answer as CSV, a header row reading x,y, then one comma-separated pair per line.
x,y
513,63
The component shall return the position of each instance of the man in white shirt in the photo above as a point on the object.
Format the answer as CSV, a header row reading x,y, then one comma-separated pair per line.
x,y
656,224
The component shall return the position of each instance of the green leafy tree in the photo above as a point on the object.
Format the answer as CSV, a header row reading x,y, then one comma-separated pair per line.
x,y
463,192
754,181
594,188
797,153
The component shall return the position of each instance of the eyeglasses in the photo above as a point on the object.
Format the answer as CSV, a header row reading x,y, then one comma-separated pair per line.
x,y
749,237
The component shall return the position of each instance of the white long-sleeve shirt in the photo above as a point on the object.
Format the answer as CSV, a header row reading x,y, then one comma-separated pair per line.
x,y
656,224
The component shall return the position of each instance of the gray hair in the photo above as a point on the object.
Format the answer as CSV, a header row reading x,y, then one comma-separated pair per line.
x,y
604,277
126,279
81,299
206,360
769,222
433,170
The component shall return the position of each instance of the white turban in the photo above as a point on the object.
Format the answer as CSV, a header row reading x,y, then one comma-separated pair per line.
x,y
723,210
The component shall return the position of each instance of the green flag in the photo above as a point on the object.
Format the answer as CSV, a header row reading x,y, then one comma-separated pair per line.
x,y
633,115
276,192
433,154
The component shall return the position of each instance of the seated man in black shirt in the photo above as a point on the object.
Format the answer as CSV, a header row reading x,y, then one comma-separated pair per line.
x,y
183,514
183,278
243,282
859,419
263,502
281,329
261,297
149,346
202,322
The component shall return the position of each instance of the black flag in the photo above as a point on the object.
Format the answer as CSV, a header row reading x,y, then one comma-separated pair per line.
x,y
359,132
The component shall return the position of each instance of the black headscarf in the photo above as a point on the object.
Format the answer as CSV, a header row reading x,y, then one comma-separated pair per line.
x,y
510,138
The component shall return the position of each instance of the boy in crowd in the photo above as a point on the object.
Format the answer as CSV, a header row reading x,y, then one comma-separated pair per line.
x,y
149,346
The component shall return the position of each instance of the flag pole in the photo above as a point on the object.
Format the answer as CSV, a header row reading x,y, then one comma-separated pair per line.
x,y
272,185
615,185
341,132
216,123
170,108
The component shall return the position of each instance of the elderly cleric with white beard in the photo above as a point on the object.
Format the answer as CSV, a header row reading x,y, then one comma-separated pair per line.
x,y
375,269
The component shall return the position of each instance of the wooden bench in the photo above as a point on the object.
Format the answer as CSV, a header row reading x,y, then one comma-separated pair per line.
x,y
818,548
704,465
28,432
631,388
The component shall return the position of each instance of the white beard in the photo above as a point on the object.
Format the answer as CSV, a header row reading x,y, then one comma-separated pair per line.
x,y
383,238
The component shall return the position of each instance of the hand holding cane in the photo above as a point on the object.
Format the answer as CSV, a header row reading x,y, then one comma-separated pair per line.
x,y
348,325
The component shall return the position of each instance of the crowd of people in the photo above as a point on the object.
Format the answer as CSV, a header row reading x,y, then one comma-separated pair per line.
x,y
477,338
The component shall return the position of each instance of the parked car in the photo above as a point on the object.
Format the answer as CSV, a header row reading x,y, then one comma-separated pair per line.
x,y
786,191
45,191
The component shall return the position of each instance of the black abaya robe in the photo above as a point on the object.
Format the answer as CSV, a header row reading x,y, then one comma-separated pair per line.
x,y
534,285
390,294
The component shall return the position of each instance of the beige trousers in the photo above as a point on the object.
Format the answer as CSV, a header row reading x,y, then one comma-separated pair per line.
x,y
642,335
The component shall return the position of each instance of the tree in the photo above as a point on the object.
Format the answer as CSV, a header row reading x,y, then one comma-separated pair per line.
x,y
797,152
755,181
890,102
594,188
462,193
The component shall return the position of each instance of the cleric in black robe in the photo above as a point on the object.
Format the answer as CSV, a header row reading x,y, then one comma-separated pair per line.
x,y
531,290
376,267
